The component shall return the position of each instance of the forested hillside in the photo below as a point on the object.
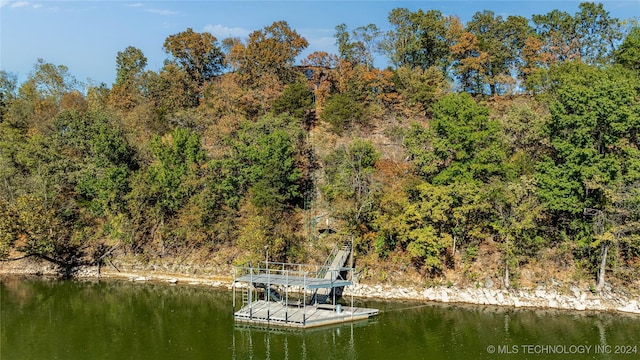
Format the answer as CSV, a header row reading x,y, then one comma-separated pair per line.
x,y
503,147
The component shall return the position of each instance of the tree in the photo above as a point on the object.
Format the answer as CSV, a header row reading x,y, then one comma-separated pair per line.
x,y
322,71
128,88
39,98
341,111
519,217
159,191
599,33
171,89
130,64
198,54
419,39
557,29
592,133
360,50
45,206
261,161
470,63
420,88
52,81
628,53
590,35
349,183
461,143
33,229
102,159
503,41
296,100
8,84
260,176
270,51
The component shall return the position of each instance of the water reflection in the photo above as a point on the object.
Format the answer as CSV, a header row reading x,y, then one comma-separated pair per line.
x,y
284,343
48,319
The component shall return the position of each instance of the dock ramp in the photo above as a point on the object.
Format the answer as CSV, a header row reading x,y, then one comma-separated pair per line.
x,y
332,271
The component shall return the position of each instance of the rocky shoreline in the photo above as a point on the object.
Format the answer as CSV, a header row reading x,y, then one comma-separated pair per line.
x,y
542,297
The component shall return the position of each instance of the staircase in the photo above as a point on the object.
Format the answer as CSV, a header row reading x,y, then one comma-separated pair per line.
x,y
331,271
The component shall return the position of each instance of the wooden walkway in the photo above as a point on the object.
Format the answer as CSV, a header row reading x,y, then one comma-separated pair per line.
x,y
278,314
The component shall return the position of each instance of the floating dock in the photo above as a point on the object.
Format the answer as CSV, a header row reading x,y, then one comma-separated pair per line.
x,y
296,295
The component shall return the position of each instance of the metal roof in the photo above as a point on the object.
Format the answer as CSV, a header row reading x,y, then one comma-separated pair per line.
x,y
287,280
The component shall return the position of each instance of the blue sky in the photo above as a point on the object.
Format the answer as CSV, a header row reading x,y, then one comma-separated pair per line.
x,y
86,35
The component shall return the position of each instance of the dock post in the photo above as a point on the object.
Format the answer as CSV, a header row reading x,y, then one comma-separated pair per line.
x,y
233,302
286,295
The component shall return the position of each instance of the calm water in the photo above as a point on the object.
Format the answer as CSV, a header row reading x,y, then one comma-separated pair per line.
x,y
49,319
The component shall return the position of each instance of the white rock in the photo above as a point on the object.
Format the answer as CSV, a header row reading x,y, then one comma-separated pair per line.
x,y
429,294
445,296
631,307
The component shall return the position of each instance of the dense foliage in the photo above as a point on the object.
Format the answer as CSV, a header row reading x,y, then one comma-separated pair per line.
x,y
504,142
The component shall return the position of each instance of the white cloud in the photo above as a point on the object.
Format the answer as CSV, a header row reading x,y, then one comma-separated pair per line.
x,y
162,12
221,31
135,5
19,4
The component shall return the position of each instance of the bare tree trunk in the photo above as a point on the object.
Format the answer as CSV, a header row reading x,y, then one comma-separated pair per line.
x,y
603,265
506,265
506,274
453,251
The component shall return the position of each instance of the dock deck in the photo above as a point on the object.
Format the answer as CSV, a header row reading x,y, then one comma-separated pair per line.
x,y
278,314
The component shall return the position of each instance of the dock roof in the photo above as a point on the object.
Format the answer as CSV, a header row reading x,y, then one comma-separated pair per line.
x,y
288,280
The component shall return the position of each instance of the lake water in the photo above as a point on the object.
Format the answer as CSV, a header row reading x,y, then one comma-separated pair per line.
x,y
50,319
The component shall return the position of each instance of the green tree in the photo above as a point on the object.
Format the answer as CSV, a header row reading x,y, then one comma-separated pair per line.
x,y
264,159
599,33
8,85
171,90
519,216
341,111
103,160
159,191
461,143
628,53
359,46
350,185
421,88
590,35
296,100
593,136
503,40
52,81
418,39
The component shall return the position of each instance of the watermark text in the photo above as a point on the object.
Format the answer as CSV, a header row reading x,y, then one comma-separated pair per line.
x,y
554,349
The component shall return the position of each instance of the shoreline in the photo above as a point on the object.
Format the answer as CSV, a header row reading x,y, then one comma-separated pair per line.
x,y
542,297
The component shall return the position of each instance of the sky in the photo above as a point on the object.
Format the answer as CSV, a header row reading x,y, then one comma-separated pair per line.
x,y
86,35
